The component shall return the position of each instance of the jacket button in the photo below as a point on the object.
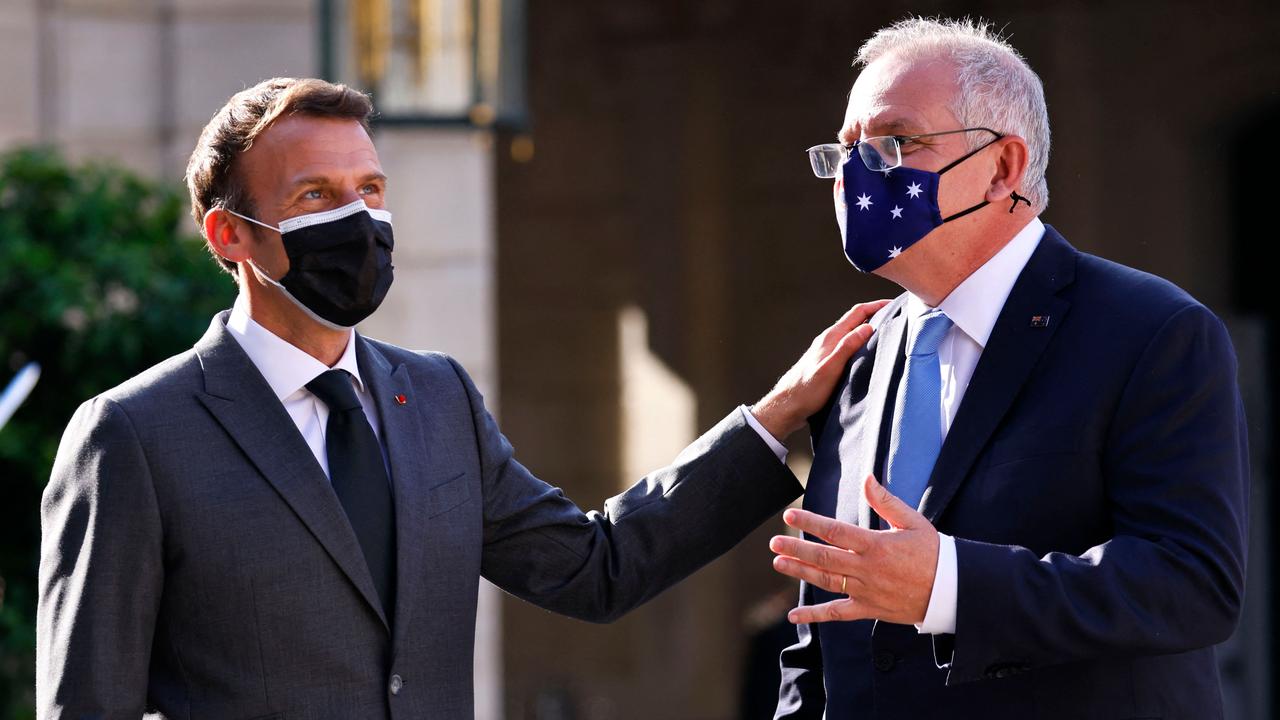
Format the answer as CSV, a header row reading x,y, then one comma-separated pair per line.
x,y
396,684
884,660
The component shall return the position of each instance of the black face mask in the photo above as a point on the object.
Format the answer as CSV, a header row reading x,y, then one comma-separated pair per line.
x,y
339,262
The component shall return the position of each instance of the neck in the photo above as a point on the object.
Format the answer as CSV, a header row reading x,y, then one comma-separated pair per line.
x,y
938,263
270,309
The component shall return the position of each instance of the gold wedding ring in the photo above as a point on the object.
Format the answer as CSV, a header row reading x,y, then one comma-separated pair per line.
x,y
844,580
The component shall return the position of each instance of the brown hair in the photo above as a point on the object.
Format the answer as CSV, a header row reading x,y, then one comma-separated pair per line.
x,y
211,173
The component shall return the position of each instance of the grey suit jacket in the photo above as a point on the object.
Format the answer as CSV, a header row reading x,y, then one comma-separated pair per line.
x,y
196,562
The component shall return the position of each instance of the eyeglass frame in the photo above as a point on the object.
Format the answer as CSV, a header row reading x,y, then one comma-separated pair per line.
x,y
899,141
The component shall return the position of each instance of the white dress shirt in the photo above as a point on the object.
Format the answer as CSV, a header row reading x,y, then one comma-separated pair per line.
x,y
288,370
778,448
973,307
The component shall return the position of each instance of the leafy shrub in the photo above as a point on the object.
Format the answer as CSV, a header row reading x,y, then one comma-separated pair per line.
x,y
98,281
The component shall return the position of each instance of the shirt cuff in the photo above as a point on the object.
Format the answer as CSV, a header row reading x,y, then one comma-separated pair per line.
x,y
940,618
778,448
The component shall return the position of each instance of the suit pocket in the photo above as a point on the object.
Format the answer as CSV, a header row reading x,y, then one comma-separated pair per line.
x,y
1030,443
448,495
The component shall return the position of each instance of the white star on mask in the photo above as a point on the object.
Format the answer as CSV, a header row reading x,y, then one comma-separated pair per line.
x,y
864,202
914,190
896,212
894,252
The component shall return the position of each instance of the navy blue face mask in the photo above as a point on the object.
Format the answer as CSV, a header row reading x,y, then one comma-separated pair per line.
x,y
881,213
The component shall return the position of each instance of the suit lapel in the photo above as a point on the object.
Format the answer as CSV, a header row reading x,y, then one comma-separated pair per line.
x,y
242,402
410,457
428,452
863,418
1012,351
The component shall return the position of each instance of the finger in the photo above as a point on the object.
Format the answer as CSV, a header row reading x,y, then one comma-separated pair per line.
x,y
852,342
853,317
890,506
857,315
815,576
860,313
834,532
834,611
826,557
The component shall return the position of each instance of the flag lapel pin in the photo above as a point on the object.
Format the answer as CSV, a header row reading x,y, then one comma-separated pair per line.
x,y
1039,321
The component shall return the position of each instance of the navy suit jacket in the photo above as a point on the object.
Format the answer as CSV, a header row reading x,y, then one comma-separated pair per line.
x,y
1096,482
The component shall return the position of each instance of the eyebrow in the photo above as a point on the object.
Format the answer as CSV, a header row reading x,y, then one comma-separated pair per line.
x,y
322,180
896,126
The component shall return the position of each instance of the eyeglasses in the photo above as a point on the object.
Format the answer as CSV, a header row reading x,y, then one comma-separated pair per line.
x,y
879,154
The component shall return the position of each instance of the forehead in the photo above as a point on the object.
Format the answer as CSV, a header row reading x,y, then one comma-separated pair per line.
x,y
899,94
300,145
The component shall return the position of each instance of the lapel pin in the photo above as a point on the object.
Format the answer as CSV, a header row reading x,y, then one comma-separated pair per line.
x,y
401,400
1039,321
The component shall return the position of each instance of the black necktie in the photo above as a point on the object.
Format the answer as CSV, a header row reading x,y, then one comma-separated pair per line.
x,y
359,478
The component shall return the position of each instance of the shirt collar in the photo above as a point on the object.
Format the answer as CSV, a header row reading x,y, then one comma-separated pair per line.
x,y
975,304
286,368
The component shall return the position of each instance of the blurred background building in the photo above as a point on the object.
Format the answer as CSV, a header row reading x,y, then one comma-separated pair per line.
x,y
604,211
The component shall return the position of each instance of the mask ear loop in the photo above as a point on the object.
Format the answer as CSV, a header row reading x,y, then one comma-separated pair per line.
x,y
956,162
261,272
246,218
967,155
962,213
1016,199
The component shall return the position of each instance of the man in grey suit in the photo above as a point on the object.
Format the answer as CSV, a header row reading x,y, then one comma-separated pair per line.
x,y
290,520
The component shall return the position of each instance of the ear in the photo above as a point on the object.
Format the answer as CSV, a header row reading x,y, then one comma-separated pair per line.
x,y
224,235
1011,165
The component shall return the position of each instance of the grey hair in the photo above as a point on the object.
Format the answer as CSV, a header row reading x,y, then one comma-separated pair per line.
x,y
997,88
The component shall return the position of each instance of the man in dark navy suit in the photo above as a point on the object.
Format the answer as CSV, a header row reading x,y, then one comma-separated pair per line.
x,y
1029,495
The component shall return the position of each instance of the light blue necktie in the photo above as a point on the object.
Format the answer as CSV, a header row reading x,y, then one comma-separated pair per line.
x,y
917,417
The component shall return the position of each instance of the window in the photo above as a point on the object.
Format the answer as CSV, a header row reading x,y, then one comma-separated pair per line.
x,y
430,61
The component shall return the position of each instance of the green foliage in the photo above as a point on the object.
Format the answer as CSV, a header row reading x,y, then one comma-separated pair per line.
x,y
98,281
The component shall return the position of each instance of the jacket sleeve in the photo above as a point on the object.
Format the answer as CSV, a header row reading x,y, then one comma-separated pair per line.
x,y
101,571
598,565
1171,578
803,695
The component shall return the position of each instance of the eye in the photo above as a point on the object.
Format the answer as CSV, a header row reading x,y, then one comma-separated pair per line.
x,y
313,194
370,189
